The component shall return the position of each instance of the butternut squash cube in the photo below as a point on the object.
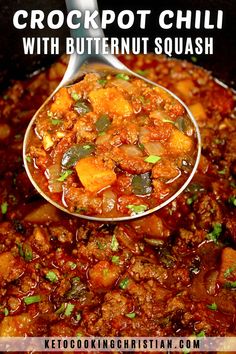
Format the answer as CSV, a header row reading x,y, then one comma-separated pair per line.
x,y
94,175
111,101
62,101
179,143
198,111
185,87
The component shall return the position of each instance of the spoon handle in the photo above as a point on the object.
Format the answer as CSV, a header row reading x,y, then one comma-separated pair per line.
x,y
76,60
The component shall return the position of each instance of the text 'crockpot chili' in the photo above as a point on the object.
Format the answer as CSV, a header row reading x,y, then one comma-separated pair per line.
x,y
111,146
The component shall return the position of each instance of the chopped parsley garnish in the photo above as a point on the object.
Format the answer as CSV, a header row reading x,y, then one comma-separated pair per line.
x,y
51,276
212,306
152,159
102,82
201,334
25,251
69,309
122,76
32,299
232,200
229,271
215,233
75,96
61,309
79,334
56,121
101,246
114,244
131,315
72,265
142,72
124,283
78,316
222,172
115,259
64,175
6,311
28,254
194,59
137,208
28,159
191,200
230,284
4,207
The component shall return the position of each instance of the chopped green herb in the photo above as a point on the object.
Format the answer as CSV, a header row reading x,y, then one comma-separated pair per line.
x,y
18,137
75,96
232,184
72,265
230,284
137,209
56,121
232,200
61,309
201,334
141,146
122,76
115,259
28,254
101,246
28,159
102,82
103,123
6,311
80,210
212,307
215,233
79,334
192,199
124,283
194,59
222,172
142,72
101,133
86,147
81,107
78,316
5,97
229,271
131,315
4,207
152,159
114,244
69,309
64,175
51,276
32,299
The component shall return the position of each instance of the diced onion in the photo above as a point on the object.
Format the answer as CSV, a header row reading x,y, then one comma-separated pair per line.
x,y
154,148
109,201
131,150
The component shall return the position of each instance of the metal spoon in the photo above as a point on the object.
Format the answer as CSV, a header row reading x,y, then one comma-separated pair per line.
x,y
78,65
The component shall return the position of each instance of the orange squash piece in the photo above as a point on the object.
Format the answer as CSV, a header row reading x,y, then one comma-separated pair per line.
x,y
62,101
94,175
179,143
111,101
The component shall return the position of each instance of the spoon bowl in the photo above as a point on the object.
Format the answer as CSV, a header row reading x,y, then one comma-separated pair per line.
x,y
77,68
